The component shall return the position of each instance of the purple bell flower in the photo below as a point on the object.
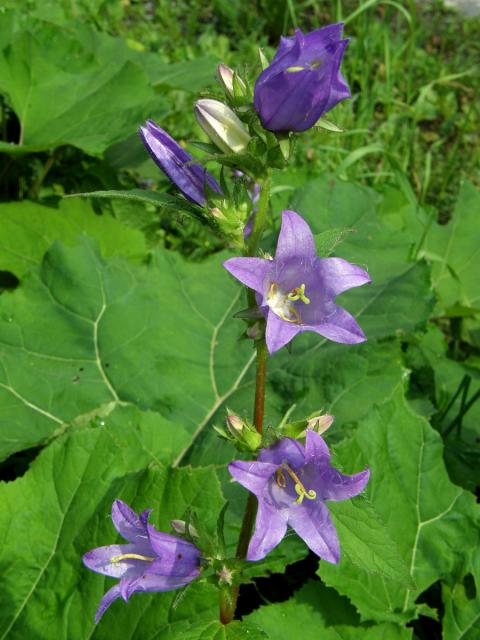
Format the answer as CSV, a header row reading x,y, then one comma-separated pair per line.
x,y
297,289
292,483
177,164
152,561
303,80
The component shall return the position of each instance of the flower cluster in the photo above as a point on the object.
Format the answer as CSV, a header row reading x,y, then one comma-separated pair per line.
x,y
291,293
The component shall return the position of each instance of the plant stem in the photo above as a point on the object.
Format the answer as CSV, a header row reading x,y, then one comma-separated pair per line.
x,y
228,605
260,218
228,602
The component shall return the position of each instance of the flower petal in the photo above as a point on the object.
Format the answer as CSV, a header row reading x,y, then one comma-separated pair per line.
x,y
295,239
176,556
316,450
270,528
338,275
339,89
252,272
312,522
340,327
337,486
285,450
252,475
128,524
319,39
279,332
149,582
111,595
100,559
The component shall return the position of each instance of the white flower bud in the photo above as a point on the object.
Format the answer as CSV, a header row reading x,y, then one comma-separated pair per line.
x,y
320,423
235,424
225,77
222,126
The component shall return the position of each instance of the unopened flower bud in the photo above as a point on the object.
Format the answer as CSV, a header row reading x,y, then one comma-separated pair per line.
x,y
180,526
225,77
217,213
222,126
235,424
320,423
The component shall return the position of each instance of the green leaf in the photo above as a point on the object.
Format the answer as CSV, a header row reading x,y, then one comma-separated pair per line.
x,y
366,543
431,520
323,123
462,450
28,230
189,75
211,630
462,604
83,332
384,228
96,94
453,251
327,241
383,233
320,612
157,199
60,509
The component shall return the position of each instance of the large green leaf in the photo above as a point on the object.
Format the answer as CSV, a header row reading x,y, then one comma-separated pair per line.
x,y
60,509
82,333
320,613
96,94
431,520
28,230
384,228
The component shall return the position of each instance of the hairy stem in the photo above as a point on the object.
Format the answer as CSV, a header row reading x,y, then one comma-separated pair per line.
x,y
228,603
260,218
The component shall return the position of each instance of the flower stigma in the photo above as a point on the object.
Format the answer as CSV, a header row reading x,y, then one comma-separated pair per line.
x,y
299,487
130,556
281,303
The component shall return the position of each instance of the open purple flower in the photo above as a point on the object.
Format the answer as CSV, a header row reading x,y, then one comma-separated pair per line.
x,y
296,290
152,561
303,80
292,483
177,164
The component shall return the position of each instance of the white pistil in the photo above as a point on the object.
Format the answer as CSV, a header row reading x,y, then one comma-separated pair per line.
x,y
282,304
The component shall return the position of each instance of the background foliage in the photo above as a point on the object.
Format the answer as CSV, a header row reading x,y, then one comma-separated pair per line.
x,y
117,348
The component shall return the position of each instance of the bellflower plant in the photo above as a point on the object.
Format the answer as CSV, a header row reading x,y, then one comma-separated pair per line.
x,y
293,292
303,81
151,561
296,290
292,483
189,177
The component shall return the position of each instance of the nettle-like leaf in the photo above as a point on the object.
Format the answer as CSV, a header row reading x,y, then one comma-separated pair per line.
x,y
29,229
431,520
384,229
60,509
99,98
82,332
320,612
